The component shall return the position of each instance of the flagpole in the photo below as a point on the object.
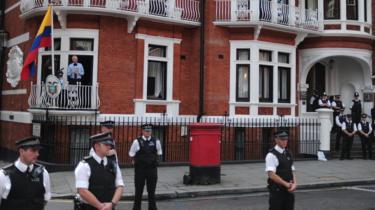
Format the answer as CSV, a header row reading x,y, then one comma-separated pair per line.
x,y
52,41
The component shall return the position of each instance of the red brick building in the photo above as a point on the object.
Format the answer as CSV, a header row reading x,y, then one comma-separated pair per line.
x,y
144,58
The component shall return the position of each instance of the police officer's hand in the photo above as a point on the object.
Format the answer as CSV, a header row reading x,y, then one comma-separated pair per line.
x,y
293,187
107,206
111,152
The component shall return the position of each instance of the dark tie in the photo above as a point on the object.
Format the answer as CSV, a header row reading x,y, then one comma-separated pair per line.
x,y
102,163
28,171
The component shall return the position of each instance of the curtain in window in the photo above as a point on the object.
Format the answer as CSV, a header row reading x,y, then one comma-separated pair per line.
x,y
265,81
352,9
265,55
332,9
156,70
243,81
243,54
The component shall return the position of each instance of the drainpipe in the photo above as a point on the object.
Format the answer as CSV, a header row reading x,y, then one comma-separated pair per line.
x,y
201,64
3,40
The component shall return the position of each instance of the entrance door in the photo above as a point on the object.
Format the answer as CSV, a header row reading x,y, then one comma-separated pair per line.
x,y
316,79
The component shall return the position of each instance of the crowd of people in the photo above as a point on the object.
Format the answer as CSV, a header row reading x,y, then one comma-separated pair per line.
x,y
347,126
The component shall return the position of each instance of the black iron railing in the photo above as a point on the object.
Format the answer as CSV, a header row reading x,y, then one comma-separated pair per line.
x,y
66,139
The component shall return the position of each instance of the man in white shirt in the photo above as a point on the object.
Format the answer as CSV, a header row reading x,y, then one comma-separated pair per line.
x,y
348,128
98,178
281,177
365,130
324,102
25,184
339,120
145,151
75,71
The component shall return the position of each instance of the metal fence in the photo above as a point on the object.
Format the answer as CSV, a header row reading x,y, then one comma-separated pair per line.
x,y
66,139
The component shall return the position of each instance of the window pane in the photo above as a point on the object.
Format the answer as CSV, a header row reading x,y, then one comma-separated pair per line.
x,y
265,83
284,85
283,57
243,54
156,80
265,55
332,9
57,45
47,65
157,51
352,9
243,82
82,44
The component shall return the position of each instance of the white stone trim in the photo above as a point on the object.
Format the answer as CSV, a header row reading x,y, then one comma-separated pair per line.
x,y
18,39
14,6
14,92
172,105
254,62
18,117
152,38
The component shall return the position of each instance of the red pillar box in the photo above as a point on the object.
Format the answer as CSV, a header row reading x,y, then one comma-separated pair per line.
x,y
205,139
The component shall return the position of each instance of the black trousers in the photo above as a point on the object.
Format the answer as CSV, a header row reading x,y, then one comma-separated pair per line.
x,y
142,176
347,144
338,138
366,146
281,200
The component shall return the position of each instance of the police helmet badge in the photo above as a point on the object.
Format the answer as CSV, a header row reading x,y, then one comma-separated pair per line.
x,y
53,86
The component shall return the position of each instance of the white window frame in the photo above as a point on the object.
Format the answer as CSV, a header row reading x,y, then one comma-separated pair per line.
x,y
64,52
254,47
172,105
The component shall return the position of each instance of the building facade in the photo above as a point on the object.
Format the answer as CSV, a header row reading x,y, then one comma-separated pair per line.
x,y
188,58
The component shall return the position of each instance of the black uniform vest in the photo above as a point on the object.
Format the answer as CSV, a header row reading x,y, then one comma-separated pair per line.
x,y
357,107
27,189
365,127
283,170
350,126
147,154
342,119
324,102
102,179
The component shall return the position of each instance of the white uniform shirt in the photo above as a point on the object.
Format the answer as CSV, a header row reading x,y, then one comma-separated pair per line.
x,y
337,120
135,147
343,127
83,172
321,103
360,127
272,162
5,184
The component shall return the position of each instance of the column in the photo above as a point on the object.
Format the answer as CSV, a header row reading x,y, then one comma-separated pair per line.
x,y
254,8
233,12
326,122
343,14
254,80
292,12
274,11
321,14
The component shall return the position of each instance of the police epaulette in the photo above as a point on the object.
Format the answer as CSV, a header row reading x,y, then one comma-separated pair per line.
x,y
86,158
5,168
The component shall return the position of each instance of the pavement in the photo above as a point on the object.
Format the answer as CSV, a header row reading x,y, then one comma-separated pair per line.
x,y
235,179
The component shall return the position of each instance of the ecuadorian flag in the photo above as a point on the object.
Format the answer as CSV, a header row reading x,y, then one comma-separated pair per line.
x,y
42,39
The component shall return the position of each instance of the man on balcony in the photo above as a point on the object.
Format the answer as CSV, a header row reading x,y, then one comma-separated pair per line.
x,y
75,71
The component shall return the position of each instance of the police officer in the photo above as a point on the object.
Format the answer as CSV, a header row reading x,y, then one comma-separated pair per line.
x,y
348,128
281,177
145,151
356,108
107,127
25,185
98,178
340,119
324,102
365,130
